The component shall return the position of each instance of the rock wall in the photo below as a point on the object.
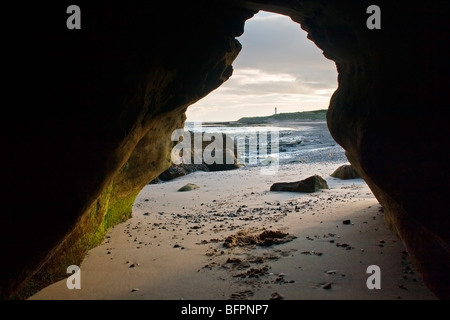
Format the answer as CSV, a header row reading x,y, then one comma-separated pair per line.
x,y
91,112
93,124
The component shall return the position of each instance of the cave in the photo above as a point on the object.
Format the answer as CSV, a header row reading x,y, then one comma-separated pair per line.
x,y
92,110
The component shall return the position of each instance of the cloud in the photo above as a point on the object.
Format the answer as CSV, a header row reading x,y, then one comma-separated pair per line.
x,y
281,45
246,76
277,67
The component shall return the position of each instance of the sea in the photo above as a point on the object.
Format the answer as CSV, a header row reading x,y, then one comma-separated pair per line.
x,y
284,142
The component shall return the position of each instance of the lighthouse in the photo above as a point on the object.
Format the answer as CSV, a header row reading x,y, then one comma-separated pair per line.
x,y
276,111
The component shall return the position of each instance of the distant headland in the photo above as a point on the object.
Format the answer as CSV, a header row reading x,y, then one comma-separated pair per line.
x,y
292,116
316,115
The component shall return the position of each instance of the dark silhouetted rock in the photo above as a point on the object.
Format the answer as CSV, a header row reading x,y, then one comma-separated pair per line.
x,y
344,172
311,184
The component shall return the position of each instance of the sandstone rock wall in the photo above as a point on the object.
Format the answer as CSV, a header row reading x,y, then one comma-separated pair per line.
x,y
95,126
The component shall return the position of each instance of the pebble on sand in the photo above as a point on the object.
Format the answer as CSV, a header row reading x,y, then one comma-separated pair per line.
x,y
188,187
276,296
327,286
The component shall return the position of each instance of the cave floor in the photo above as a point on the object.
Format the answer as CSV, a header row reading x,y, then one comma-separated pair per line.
x,y
173,246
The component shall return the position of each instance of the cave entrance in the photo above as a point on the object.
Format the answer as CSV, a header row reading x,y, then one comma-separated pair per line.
x,y
277,71
229,221
281,82
232,224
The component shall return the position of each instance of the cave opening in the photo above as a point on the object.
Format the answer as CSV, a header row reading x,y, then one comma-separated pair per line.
x,y
279,70
281,82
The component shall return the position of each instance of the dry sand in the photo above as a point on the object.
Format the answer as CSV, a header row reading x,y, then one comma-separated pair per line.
x,y
173,246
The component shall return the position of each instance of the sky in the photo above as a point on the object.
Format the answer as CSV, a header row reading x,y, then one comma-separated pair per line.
x,y
277,67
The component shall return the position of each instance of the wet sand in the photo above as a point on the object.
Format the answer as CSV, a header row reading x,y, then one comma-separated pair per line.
x,y
232,238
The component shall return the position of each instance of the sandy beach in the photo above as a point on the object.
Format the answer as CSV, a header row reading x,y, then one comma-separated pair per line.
x,y
177,245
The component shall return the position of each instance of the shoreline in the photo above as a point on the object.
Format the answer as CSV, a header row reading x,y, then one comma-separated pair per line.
x,y
294,123
173,246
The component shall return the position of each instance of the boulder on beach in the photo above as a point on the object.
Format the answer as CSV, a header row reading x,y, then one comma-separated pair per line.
x,y
222,162
188,187
311,184
346,171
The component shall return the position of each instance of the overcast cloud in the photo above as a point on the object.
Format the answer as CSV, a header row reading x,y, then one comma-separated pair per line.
x,y
277,67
